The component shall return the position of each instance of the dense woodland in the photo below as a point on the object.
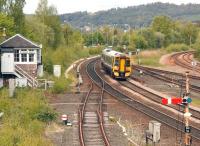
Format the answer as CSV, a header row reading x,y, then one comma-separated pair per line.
x,y
135,16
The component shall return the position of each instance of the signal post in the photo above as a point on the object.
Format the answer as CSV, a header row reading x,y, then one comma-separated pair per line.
x,y
185,100
188,138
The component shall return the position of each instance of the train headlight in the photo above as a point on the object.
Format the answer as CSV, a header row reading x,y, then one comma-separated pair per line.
x,y
116,68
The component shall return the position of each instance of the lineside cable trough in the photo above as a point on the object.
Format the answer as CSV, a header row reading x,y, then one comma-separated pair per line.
x,y
153,133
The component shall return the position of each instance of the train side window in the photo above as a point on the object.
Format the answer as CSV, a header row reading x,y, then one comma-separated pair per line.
x,y
116,62
127,62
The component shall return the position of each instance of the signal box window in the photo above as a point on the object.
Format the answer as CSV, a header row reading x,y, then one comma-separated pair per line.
x,y
16,56
24,57
31,57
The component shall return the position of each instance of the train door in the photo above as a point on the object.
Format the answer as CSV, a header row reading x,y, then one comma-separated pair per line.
x,y
122,65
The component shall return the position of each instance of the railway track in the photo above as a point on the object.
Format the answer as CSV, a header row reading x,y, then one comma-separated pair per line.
x,y
156,98
159,75
164,72
184,60
92,119
148,110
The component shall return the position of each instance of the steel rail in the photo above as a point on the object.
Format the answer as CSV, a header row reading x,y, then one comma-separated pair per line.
x,y
149,111
164,71
155,74
156,98
81,116
179,62
100,112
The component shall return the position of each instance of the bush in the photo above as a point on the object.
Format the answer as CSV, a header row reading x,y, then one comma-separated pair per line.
x,y
177,48
61,85
25,118
197,54
95,51
48,65
46,116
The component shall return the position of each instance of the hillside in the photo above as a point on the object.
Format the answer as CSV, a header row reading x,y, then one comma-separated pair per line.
x,y
135,16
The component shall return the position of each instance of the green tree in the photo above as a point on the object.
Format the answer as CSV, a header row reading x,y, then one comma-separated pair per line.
x,y
197,46
67,32
48,16
42,11
159,39
16,11
149,36
37,31
3,5
107,33
7,23
189,33
94,39
140,42
54,22
125,39
162,24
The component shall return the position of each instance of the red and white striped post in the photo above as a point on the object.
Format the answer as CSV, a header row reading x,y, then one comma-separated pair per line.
x,y
64,119
172,100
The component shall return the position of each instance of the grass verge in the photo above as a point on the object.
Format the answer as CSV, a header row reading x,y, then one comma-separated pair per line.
x,y
196,102
25,118
149,58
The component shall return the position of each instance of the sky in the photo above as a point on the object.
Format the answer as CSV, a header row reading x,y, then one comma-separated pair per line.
x,y
69,6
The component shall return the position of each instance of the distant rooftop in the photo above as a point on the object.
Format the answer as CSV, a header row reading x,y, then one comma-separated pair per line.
x,y
18,41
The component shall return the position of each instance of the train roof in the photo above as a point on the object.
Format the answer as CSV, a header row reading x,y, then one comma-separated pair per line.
x,y
110,52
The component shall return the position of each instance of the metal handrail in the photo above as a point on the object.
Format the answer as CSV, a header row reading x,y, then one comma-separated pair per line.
x,y
25,74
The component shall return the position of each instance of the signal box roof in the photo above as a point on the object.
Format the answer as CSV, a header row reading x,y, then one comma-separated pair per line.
x,y
18,41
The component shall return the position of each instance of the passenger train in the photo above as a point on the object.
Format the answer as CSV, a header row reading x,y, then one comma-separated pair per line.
x,y
116,63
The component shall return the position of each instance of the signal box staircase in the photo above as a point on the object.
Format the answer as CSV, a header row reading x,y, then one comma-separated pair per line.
x,y
20,73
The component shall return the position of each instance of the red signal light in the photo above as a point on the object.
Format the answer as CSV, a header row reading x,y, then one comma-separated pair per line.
x,y
177,100
164,101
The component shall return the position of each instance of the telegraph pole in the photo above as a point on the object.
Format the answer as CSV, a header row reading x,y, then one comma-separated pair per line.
x,y
188,138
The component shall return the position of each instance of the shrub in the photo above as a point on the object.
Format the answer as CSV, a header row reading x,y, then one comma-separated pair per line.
x,y
24,118
61,85
48,65
177,48
45,116
95,51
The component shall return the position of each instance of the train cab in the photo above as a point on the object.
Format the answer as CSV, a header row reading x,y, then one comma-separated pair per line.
x,y
116,63
121,67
